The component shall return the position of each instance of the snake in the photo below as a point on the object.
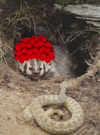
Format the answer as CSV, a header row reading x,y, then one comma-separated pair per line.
x,y
35,111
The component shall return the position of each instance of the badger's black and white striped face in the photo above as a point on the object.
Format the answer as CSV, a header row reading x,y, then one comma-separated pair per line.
x,y
35,68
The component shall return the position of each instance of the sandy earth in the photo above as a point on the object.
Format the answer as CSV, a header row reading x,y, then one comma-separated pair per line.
x,y
17,92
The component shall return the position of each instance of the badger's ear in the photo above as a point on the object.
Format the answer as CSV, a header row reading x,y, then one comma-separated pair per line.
x,y
22,66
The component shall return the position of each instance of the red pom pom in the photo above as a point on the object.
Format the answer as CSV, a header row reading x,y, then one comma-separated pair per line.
x,y
26,39
29,51
23,45
24,50
17,57
42,59
18,46
15,52
35,45
47,50
36,39
27,57
23,58
43,38
33,56
43,56
52,58
17,43
51,54
37,57
40,43
21,61
51,50
28,44
35,50
32,41
47,59
38,53
33,37
42,49
19,53
48,44
21,40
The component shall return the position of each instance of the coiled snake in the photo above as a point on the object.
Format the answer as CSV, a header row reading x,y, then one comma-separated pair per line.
x,y
35,110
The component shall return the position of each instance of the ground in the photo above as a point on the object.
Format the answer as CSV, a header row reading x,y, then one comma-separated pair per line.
x,y
17,92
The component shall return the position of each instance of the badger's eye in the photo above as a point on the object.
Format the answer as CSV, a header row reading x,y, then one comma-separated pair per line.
x,y
40,69
30,68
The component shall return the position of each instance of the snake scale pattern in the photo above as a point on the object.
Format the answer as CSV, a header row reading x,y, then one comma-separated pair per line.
x,y
35,110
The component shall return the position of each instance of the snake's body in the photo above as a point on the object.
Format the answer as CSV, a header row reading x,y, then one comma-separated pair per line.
x,y
35,110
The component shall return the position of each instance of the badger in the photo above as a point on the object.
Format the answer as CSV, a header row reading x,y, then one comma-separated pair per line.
x,y
60,66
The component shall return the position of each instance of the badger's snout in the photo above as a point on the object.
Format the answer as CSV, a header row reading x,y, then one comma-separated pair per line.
x,y
35,74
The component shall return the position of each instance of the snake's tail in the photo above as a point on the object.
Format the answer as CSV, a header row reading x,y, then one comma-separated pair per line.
x,y
51,111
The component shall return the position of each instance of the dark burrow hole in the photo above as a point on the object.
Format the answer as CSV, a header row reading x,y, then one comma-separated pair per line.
x,y
75,33
76,40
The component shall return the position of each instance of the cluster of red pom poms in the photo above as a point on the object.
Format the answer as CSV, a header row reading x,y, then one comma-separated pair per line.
x,y
34,48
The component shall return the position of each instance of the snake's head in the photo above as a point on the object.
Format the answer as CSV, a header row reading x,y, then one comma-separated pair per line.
x,y
36,69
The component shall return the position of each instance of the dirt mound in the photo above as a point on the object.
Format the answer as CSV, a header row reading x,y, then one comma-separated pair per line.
x,y
17,92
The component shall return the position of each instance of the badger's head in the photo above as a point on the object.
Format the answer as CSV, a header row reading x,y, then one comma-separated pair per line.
x,y
36,69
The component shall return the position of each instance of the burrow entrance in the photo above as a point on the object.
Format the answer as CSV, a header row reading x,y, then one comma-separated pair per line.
x,y
59,28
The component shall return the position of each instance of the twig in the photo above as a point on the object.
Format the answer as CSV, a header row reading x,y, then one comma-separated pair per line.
x,y
35,27
51,38
76,50
61,37
70,92
77,36
67,40
93,121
